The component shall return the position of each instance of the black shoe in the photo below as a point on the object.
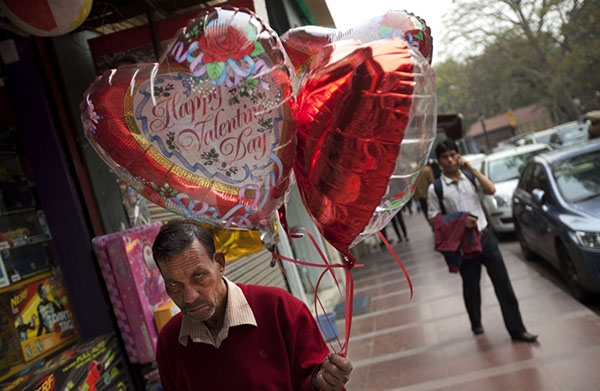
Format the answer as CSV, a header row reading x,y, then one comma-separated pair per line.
x,y
477,330
524,337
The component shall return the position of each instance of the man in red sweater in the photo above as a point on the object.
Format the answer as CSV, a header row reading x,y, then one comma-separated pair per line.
x,y
232,336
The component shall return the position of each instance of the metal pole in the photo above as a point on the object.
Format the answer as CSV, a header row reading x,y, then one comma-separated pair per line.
x,y
485,134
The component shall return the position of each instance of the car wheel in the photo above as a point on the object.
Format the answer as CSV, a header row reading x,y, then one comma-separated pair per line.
x,y
569,274
527,253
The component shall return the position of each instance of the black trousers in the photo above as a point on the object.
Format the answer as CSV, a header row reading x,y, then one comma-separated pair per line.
x,y
424,206
470,272
398,219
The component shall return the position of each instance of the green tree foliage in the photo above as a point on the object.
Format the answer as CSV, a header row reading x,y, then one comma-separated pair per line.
x,y
581,63
519,52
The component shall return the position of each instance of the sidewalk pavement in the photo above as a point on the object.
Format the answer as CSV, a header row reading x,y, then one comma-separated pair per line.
x,y
425,343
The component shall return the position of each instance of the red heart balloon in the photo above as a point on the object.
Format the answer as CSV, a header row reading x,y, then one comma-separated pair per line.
x,y
353,113
302,43
208,132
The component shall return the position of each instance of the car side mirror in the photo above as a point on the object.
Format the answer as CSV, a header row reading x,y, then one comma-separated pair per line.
x,y
538,196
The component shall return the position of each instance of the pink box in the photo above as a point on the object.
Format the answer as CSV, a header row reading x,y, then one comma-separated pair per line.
x,y
140,286
99,245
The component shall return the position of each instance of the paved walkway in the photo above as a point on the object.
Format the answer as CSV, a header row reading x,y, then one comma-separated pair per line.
x,y
426,343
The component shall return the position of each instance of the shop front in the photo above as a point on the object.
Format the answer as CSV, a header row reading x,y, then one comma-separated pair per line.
x,y
67,223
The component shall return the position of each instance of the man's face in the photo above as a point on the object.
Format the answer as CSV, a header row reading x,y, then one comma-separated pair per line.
x,y
449,161
194,281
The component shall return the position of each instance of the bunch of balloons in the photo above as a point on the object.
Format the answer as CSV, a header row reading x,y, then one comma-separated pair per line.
x,y
213,131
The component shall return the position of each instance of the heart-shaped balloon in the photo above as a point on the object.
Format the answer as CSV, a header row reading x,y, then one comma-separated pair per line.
x,y
366,122
209,131
302,43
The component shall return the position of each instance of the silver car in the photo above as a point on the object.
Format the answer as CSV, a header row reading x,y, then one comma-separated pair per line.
x,y
503,168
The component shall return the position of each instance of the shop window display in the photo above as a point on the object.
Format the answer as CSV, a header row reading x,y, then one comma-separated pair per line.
x,y
25,249
35,314
92,365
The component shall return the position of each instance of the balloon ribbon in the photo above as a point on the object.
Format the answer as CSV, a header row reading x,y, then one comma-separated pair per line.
x,y
348,264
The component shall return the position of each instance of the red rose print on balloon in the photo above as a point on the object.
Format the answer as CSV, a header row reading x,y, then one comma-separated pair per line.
x,y
221,52
221,42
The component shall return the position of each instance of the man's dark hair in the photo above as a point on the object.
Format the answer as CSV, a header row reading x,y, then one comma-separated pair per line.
x,y
446,145
177,235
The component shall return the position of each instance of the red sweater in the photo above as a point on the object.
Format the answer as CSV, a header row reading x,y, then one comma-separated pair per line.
x,y
280,353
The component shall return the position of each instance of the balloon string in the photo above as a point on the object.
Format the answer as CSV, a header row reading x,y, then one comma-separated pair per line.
x,y
297,235
317,299
342,347
349,308
300,232
398,261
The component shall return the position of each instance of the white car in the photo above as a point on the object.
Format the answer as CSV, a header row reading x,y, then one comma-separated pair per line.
x,y
569,134
559,136
503,168
475,159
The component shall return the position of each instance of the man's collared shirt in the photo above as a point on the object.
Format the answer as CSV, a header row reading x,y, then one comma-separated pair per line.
x,y
237,312
459,196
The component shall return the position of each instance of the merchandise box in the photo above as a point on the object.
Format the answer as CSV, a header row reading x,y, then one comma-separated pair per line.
x,y
93,365
42,316
22,229
27,261
164,313
4,280
99,245
140,286
10,346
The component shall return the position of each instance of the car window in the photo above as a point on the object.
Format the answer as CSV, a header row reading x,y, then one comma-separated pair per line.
x,y
505,169
543,139
540,181
578,177
573,135
525,182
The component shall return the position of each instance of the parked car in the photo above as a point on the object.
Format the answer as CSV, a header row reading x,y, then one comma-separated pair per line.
x,y
540,137
556,209
569,134
515,141
476,159
503,168
558,136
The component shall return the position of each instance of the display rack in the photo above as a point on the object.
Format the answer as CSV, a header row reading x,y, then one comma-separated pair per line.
x,y
36,319
20,367
24,235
